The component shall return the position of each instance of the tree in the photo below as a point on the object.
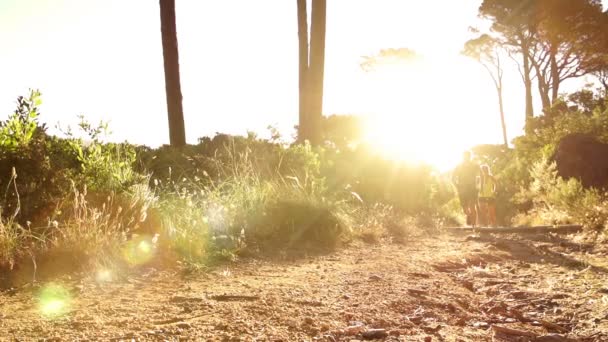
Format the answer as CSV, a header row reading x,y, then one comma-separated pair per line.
x,y
557,39
311,70
486,51
389,56
602,76
514,23
303,128
569,33
177,133
600,67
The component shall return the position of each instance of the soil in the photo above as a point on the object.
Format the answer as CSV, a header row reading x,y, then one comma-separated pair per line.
x,y
442,288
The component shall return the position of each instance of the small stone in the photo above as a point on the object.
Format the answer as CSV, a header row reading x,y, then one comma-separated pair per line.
x,y
481,325
428,339
353,330
374,334
184,325
375,277
308,320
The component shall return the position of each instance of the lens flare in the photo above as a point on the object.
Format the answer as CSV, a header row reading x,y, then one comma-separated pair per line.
x,y
54,300
139,251
103,276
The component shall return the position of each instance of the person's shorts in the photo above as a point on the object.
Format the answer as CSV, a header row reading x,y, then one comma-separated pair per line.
x,y
467,196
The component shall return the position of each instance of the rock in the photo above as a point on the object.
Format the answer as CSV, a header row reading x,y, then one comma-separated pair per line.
x,y
472,238
415,319
184,325
467,284
373,334
375,277
583,157
308,320
417,292
353,330
428,339
481,325
432,330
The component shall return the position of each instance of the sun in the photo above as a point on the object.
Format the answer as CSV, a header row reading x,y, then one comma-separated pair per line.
x,y
429,112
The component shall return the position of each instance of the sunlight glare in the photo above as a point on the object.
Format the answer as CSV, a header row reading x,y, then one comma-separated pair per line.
x,y
139,250
104,276
419,119
53,300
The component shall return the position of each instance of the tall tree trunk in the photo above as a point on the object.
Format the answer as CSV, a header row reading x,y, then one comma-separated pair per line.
x,y
555,81
303,126
502,113
497,78
527,84
544,88
177,133
317,68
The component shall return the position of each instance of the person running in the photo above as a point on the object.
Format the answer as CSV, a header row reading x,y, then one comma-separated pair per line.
x,y
465,178
487,197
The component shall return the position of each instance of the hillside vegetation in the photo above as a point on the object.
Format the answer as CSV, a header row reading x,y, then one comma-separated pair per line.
x,y
80,202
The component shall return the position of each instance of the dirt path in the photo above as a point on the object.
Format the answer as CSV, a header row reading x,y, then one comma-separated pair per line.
x,y
442,289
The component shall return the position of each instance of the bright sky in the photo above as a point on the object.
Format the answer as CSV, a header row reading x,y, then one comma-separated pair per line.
x,y
103,59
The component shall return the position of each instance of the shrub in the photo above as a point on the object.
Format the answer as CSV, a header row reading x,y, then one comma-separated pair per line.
x,y
40,165
12,242
104,167
184,226
557,201
291,224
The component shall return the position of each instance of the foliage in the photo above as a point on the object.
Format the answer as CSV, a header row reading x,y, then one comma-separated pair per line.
x,y
103,166
230,195
559,201
559,40
12,242
518,170
343,131
408,187
40,165
22,125
389,56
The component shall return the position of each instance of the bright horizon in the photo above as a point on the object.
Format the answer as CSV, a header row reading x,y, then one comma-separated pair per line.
x,y
103,59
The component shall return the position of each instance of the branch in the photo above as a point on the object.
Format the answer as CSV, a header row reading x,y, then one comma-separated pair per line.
x,y
491,74
519,67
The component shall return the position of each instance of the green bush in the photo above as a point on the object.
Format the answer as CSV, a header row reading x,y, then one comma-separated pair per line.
x,y
104,167
301,223
35,169
559,201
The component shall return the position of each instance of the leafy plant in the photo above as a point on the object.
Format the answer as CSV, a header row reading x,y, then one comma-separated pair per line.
x,y
559,201
104,166
21,126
